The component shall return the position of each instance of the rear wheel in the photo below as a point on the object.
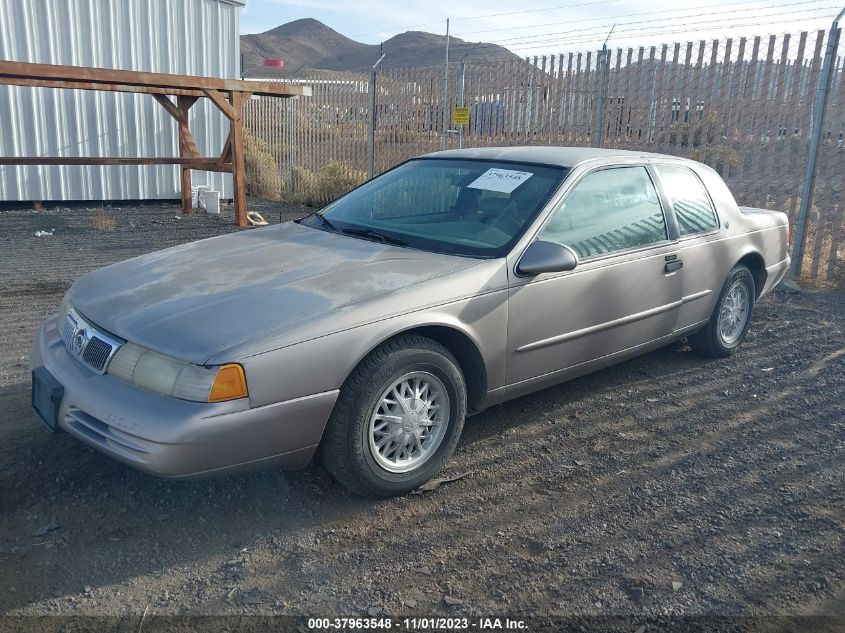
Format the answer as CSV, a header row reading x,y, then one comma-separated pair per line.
x,y
728,325
398,418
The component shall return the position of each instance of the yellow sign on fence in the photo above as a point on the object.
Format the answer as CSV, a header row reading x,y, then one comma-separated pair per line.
x,y
460,115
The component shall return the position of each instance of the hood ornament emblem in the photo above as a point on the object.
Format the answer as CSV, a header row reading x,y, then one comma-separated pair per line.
x,y
79,340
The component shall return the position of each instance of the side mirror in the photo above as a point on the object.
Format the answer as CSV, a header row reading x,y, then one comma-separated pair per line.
x,y
546,257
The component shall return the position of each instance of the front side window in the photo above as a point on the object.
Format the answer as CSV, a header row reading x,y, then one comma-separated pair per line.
x,y
689,200
608,210
465,207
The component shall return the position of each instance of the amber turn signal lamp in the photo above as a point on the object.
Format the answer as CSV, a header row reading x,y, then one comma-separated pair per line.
x,y
229,384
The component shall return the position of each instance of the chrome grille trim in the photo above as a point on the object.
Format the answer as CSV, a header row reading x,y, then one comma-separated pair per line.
x,y
97,352
88,344
68,328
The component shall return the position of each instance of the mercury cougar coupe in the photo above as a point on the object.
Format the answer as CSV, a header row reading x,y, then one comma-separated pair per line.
x,y
367,331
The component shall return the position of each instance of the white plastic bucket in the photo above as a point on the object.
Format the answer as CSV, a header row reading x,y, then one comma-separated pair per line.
x,y
210,201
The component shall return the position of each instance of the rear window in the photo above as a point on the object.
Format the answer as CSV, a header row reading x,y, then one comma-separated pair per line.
x,y
689,200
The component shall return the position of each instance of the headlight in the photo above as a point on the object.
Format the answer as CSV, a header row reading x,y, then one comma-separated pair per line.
x,y
176,378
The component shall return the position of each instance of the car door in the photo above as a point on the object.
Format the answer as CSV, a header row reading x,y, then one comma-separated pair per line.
x,y
624,292
706,258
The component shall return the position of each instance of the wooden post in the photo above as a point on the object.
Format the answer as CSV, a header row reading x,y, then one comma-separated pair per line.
x,y
187,148
237,152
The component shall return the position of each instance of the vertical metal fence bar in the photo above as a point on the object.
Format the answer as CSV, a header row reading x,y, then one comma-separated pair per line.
x,y
371,151
554,87
651,117
289,143
578,99
767,137
725,83
600,96
613,90
824,210
792,105
819,108
836,107
734,81
566,101
780,121
746,120
637,121
707,111
589,95
660,94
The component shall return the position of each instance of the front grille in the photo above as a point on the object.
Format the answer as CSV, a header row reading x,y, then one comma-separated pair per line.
x,y
96,353
85,342
68,328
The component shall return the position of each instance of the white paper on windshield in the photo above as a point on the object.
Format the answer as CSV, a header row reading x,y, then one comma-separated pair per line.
x,y
501,180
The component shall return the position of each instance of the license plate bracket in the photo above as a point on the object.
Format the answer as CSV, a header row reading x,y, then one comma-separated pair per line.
x,y
47,393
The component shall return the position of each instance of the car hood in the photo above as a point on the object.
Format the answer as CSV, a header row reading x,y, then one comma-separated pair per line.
x,y
195,300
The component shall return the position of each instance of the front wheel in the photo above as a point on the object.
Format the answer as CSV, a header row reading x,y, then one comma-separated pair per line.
x,y
398,418
728,324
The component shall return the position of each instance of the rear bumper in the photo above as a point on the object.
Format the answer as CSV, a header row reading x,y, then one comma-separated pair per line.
x,y
175,438
774,275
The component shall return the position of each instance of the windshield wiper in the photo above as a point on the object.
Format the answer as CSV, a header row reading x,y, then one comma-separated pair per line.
x,y
373,234
323,220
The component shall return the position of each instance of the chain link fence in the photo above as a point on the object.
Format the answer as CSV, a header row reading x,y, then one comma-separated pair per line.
x,y
743,106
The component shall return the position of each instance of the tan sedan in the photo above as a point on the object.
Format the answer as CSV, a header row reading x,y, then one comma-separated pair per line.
x,y
370,329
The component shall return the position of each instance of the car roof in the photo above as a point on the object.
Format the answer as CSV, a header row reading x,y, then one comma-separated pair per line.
x,y
549,155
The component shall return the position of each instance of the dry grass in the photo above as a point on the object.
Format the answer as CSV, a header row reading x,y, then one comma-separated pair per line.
x,y
103,221
818,253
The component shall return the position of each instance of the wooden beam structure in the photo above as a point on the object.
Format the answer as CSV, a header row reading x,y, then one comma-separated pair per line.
x,y
228,95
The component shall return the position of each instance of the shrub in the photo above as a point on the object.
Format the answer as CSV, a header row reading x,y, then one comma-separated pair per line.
x,y
336,178
330,182
722,158
262,171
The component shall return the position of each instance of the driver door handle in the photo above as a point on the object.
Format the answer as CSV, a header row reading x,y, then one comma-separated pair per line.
x,y
674,265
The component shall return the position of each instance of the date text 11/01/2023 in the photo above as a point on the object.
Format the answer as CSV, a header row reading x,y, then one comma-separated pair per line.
x,y
417,624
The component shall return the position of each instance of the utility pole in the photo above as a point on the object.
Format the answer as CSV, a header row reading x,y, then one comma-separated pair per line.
x,y
445,92
371,147
463,91
819,107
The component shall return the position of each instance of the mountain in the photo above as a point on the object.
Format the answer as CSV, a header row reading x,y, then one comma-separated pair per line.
x,y
308,44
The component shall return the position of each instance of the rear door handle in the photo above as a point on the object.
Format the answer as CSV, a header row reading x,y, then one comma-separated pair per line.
x,y
672,266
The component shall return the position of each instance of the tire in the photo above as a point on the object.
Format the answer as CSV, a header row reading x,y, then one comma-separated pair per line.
x,y
712,340
363,417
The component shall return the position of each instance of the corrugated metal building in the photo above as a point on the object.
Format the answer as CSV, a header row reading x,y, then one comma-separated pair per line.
x,y
193,37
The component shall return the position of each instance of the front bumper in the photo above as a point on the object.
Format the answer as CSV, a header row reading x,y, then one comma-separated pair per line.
x,y
175,438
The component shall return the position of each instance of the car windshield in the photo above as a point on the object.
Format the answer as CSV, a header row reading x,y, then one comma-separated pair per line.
x,y
465,207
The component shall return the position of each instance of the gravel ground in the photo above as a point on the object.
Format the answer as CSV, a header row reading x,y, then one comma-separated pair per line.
x,y
670,484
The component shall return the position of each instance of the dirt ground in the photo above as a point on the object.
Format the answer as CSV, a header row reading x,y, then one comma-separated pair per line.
x,y
667,485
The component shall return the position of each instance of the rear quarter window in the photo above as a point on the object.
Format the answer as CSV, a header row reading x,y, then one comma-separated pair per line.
x,y
688,197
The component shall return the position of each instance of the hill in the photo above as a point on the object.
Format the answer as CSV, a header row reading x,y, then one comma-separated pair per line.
x,y
309,44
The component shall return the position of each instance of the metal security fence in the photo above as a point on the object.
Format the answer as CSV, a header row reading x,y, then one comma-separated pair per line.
x,y
744,106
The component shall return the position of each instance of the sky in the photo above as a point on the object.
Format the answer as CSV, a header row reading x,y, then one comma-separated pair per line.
x,y
534,27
